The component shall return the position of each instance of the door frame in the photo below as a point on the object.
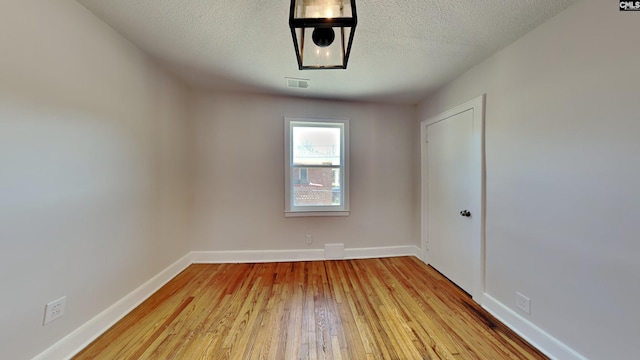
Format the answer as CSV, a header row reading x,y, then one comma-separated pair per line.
x,y
477,206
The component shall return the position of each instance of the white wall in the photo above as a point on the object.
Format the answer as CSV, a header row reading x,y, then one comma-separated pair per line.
x,y
562,147
239,172
92,170
95,157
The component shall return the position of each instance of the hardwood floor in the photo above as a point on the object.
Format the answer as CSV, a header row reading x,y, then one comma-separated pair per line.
x,y
392,308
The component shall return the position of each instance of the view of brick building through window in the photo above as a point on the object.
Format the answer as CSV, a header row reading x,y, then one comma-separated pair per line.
x,y
316,173
316,186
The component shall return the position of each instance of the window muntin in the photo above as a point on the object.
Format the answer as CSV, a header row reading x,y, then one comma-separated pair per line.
x,y
316,172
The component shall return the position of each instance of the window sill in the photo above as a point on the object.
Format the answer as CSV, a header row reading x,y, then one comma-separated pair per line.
x,y
315,213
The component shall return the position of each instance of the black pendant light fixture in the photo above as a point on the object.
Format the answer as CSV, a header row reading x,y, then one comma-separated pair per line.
x,y
322,32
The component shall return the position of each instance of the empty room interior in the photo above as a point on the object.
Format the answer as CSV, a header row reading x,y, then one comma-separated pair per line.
x,y
162,160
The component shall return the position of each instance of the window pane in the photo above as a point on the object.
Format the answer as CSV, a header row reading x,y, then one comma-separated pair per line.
x,y
322,9
318,188
316,145
323,56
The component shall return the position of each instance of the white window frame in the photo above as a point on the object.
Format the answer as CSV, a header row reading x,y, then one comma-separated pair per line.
x,y
330,210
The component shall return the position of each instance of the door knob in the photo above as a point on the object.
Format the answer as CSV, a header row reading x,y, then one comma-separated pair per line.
x,y
465,213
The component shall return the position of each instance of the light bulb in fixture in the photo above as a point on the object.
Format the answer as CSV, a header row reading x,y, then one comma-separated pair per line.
x,y
323,36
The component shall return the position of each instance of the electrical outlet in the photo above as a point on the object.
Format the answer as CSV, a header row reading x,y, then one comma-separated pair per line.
x,y
309,239
54,310
523,303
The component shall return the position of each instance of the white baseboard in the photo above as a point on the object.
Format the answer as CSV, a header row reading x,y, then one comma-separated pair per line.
x,y
89,331
380,252
85,334
221,257
537,337
225,257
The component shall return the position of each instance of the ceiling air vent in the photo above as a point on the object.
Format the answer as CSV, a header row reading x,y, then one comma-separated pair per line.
x,y
297,83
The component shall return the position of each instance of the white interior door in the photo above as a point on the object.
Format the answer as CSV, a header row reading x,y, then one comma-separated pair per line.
x,y
452,207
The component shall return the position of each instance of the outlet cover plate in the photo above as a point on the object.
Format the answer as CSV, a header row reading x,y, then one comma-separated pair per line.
x,y
523,303
54,310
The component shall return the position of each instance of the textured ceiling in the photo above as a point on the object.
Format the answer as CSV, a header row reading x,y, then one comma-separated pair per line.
x,y
402,50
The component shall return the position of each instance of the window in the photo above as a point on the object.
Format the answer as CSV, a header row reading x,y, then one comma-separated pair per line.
x,y
316,167
301,176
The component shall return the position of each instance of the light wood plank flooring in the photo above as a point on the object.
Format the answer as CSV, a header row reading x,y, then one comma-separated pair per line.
x,y
393,308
